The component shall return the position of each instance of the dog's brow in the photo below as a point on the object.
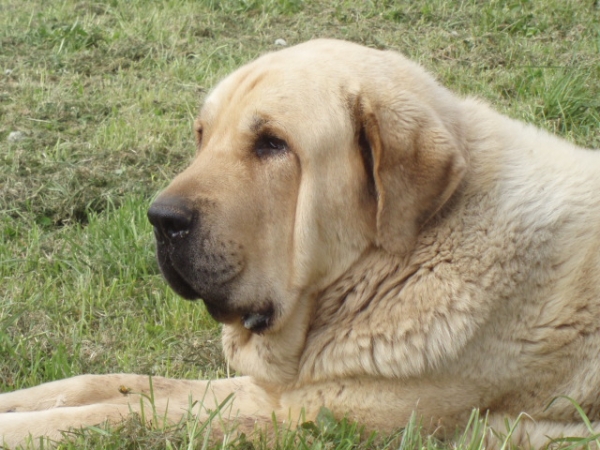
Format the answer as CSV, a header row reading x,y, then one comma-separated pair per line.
x,y
259,122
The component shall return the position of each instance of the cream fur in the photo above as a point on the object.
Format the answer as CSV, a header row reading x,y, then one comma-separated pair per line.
x,y
470,280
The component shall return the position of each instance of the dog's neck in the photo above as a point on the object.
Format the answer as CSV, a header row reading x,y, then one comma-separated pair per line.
x,y
271,358
274,358
376,281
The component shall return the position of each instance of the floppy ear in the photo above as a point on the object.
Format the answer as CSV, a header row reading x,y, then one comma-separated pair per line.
x,y
417,165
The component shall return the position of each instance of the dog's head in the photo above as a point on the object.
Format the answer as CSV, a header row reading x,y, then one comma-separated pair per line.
x,y
306,158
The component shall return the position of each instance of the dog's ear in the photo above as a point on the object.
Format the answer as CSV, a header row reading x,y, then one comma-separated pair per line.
x,y
416,165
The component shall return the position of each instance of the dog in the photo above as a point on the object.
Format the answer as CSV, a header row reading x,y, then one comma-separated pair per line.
x,y
372,244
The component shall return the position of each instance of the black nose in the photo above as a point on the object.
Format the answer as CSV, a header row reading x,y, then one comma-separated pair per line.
x,y
172,217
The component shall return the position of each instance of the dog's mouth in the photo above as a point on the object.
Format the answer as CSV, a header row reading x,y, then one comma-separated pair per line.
x,y
256,321
216,299
173,277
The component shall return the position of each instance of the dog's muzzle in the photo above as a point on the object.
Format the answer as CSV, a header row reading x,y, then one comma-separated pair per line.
x,y
172,219
195,271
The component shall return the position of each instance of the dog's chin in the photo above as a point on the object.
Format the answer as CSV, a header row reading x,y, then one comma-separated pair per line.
x,y
254,321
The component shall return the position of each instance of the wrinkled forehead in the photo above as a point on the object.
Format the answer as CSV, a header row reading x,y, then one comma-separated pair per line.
x,y
285,84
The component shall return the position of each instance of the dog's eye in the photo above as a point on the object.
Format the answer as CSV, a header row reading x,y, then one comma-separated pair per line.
x,y
267,146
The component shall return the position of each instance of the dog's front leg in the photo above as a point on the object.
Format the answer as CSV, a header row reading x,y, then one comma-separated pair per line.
x,y
77,391
86,400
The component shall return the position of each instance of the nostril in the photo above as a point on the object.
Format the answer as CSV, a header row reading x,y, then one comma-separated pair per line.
x,y
171,217
176,228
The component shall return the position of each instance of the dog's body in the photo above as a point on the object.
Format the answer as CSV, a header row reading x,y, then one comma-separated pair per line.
x,y
375,245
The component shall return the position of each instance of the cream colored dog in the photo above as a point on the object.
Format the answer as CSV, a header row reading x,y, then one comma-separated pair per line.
x,y
374,244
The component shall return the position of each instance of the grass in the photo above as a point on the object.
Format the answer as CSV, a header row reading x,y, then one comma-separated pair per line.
x,y
97,100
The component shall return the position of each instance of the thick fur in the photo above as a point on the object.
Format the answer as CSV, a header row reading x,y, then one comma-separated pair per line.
x,y
412,250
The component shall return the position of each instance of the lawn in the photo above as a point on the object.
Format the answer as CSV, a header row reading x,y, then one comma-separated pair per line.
x,y
97,100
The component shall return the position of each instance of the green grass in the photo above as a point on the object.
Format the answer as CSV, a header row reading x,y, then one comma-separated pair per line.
x,y
103,94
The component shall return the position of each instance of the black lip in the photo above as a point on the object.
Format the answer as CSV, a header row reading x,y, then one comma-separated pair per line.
x,y
215,302
258,322
174,279
180,286
220,314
